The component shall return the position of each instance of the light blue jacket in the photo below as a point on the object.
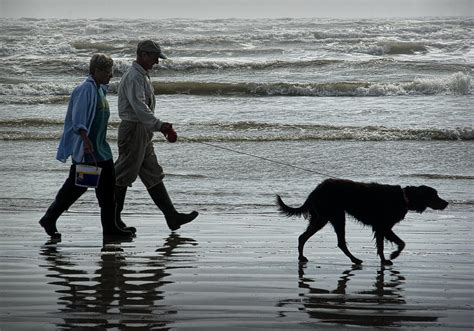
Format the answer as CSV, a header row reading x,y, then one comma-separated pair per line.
x,y
80,115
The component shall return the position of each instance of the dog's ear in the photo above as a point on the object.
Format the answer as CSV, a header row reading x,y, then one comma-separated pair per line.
x,y
432,198
416,196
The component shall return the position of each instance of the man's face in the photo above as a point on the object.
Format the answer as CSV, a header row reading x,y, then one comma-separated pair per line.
x,y
103,76
149,60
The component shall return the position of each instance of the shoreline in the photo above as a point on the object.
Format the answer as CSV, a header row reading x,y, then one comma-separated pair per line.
x,y
230,271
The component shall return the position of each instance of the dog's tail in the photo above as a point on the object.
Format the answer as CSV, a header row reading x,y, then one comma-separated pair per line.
x,y
290,211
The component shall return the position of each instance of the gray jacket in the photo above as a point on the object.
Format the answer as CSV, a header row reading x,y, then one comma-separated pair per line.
x,y
136,98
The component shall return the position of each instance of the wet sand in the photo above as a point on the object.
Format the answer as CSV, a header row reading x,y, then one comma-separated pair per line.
x,y
232,271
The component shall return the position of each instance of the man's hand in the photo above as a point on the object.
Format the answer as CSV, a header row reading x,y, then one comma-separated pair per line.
x,y
168,131
165,127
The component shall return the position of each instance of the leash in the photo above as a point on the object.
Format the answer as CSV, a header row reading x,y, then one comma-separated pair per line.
x,y
262,158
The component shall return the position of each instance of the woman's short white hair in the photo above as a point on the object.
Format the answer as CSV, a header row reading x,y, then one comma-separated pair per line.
x,y
100,61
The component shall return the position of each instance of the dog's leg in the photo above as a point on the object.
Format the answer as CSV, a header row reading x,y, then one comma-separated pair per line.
x,y
391,236
315,224
339,224
379,237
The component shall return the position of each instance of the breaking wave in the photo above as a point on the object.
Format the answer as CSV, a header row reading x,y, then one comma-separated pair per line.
x,y
440,176
249,131
51,129
455,84
397,48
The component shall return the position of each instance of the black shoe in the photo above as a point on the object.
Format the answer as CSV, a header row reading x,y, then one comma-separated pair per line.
x,y
122,226
175,221
160,196
48,222
117,233
120,193
109,225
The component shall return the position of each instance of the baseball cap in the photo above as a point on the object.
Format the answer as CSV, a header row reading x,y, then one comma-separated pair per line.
x,y
151,47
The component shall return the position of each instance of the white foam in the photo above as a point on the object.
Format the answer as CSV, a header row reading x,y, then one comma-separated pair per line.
x,y
35,89
459,83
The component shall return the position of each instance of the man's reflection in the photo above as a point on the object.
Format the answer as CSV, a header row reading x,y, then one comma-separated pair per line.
x,y
381,305
123,293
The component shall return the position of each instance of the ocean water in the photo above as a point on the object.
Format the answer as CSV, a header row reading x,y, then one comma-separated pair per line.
x,y
260,106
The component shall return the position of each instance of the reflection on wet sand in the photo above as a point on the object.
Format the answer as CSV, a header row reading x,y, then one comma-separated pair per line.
x,y
382,305
124,292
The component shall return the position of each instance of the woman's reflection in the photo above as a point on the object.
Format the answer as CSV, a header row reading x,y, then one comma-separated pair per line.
x,y
123,293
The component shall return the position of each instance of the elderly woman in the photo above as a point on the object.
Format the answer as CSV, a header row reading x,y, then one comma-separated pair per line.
x,y
84,139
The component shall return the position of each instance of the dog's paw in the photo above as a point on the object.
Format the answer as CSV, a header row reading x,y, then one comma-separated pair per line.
x,y
386,262
302,259
394,255
357,261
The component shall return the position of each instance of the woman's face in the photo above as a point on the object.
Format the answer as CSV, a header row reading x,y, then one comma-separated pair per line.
x,y
103,76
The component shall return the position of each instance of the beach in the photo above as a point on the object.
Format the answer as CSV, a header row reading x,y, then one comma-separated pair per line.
x,y
232,271
261,107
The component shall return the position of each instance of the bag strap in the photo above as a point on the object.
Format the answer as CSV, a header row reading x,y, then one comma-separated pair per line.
x,y
93,157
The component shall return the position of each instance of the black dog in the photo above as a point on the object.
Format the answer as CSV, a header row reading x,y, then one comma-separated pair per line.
x,y
379,206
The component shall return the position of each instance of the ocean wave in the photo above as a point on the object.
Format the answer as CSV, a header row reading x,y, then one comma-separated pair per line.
x,y
34,100
48,129
35,89
377,36
398,48
30,122
440,176
49,92
459,83
252,131
15,135
96,46
79,65
192,176
218,61
184,65
225,64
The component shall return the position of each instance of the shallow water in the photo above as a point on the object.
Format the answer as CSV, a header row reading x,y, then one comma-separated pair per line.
x,y
233,271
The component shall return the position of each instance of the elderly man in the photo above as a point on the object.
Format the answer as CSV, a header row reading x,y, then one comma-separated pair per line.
x,y
136,106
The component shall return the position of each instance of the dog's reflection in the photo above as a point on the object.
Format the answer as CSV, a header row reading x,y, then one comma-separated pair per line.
x,y
381,305
124,292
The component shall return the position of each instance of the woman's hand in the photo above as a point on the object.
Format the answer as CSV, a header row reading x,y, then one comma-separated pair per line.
x,y
88,147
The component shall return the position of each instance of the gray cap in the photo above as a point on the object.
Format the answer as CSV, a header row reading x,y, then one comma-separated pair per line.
x,y
150,46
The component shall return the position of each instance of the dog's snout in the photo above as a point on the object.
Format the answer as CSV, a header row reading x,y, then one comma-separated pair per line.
x,y
440,204
445,204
